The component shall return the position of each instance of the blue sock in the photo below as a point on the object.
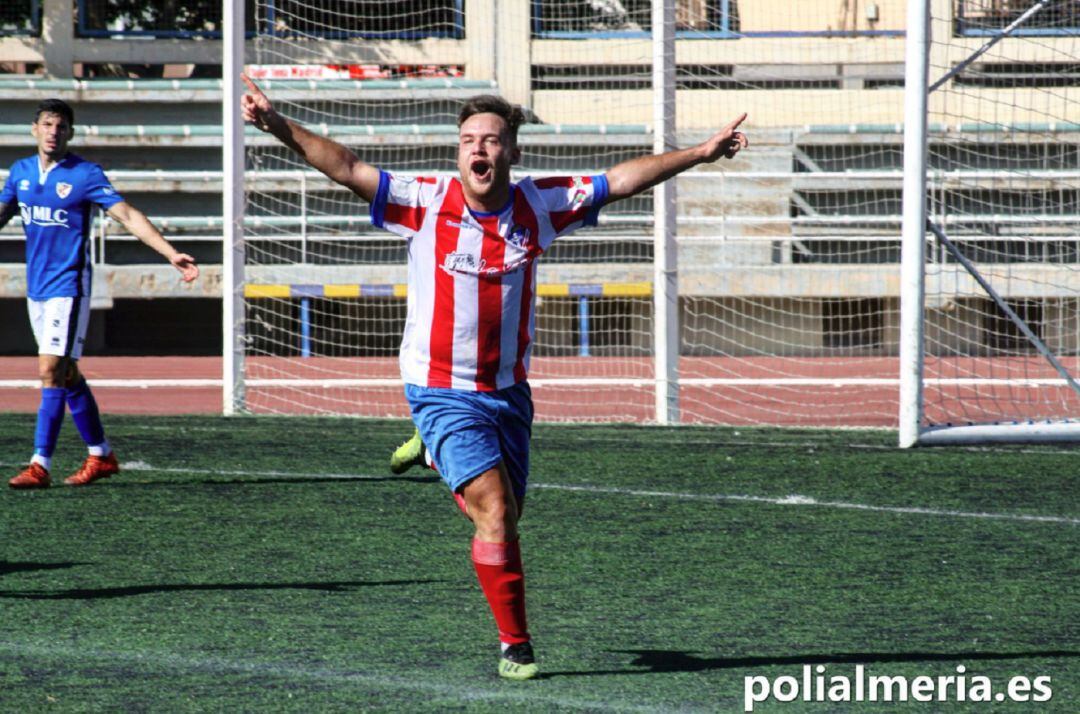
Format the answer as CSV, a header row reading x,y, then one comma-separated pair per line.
x,y
50,416
84,412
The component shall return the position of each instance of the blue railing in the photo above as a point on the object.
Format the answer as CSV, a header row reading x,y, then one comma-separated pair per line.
x,y
975,19
20,17
277,18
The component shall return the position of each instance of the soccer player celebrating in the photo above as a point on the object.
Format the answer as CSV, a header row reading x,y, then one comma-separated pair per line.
x,y
473,242
54,191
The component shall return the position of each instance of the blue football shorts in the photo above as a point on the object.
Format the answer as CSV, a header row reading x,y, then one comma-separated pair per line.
x,y
468,433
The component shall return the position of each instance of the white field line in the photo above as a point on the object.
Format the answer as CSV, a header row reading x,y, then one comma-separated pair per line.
x,y
790,500
797,500
673,440
223,666
120,383
344,383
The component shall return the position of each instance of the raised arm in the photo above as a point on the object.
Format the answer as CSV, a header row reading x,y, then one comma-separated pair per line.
x,y
329,157
636,175
140,226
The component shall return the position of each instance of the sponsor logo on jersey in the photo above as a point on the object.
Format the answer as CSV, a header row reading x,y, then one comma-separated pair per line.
x,y
24,185
460,262
43,216
462,225
56,323
63,189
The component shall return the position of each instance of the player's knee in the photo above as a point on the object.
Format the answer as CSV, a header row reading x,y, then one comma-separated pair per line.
x,y
52,374
489,507
71,374
494,514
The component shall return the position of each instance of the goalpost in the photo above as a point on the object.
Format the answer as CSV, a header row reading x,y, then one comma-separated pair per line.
x,y
991,286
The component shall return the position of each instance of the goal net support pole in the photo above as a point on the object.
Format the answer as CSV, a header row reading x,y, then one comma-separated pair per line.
x,y
665,255
913,237
232,248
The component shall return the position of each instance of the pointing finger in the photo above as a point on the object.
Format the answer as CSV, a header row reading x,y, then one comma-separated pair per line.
x,y
250,85
735,124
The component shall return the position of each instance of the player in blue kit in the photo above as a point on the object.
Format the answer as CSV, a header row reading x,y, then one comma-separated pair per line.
x,y
54,193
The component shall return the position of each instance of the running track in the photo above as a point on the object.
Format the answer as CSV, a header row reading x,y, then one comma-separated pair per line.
x,y
846,391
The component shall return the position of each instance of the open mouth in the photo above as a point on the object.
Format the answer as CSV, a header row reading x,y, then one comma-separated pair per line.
x,y
480,170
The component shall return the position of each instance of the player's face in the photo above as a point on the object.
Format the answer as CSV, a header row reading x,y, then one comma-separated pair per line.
x,y
53,133
485,154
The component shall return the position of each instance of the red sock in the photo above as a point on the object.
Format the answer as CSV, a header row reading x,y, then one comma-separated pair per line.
x,y
460,501
498,567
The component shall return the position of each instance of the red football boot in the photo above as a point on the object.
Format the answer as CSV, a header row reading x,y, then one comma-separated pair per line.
x,y
93,468
33,476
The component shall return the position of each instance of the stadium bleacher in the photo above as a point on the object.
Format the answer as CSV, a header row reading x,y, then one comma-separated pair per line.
x,y
820,196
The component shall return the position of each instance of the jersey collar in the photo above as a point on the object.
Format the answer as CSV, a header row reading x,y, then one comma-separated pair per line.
x,y
490,214
43,173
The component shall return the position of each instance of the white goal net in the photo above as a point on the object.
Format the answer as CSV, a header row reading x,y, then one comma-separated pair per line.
x,y
1002,306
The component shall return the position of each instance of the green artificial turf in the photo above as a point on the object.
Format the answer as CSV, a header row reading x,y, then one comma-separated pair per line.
x,y
274,564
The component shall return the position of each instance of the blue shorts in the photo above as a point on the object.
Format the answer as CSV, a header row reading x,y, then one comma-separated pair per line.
x,y
468,433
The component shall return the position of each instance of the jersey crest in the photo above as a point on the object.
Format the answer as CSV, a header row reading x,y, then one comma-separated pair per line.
x,y
63,189
519,236
24,185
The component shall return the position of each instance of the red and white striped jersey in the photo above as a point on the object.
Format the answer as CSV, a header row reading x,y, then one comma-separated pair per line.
x,y
472,275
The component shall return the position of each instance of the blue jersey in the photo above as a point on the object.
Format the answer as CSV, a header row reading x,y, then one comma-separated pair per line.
x,y
56,213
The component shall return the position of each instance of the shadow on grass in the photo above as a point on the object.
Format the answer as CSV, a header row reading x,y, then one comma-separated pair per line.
x,y
98,593
134,482
9,567
661,661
